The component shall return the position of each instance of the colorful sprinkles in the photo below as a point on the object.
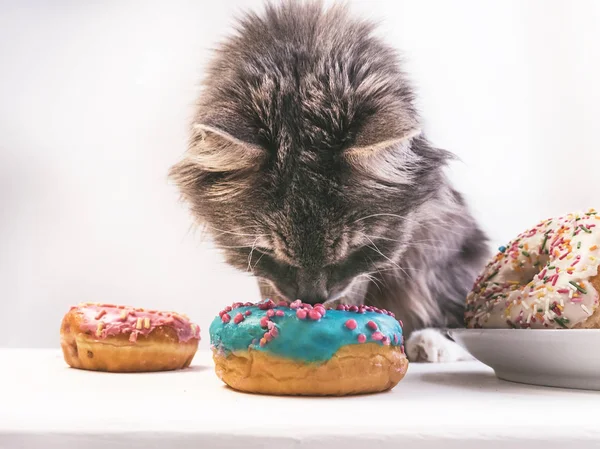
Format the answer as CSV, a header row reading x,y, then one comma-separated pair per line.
x,y
541,279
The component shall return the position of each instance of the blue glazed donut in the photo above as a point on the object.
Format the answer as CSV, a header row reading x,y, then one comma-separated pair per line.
x,y
301,349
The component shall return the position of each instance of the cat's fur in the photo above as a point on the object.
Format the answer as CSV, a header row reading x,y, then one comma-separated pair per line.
x,y
308,166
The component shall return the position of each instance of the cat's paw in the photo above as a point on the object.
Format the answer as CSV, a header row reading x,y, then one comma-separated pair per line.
x,y
430,345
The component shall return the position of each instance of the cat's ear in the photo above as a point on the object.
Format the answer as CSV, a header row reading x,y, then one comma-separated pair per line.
x,y
384,151
214,150
370,148
382,132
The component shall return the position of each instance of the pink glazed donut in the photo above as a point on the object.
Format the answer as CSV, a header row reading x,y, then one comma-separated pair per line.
x,y
106,337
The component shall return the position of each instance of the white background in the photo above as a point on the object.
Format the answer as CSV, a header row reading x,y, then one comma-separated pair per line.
x,y
95,99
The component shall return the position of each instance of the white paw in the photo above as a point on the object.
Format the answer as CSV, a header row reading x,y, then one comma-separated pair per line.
x,y
430,345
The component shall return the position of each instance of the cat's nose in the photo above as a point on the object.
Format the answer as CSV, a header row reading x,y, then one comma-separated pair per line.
x,y
312,288
311,297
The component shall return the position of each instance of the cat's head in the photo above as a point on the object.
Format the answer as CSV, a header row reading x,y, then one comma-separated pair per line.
x,y
306,158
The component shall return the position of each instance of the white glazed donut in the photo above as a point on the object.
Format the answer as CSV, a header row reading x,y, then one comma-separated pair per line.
x,y
545,278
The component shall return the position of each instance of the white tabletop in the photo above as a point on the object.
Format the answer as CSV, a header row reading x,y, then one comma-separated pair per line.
x,y
45,404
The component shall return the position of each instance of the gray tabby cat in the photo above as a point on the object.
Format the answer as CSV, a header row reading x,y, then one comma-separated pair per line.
x,y
308,166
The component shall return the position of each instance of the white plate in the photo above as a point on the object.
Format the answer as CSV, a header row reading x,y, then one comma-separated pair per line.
x,y
568,358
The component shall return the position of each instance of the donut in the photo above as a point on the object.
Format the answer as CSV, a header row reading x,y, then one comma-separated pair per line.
x,y
107,337
299,349
547,277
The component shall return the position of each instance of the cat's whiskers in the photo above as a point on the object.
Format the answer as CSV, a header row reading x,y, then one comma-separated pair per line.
x,y
372,279
381,237
414,243
352,290
385,215
250,269
430,223
432,247
233,247
390,272
387,258
240,234
256,263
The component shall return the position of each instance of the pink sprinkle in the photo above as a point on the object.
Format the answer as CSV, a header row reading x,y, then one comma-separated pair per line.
x,y
563,290
268,304
385,341
263,321
248,313
563,256
301,314
235,305
282,304
321,310
248,304
352,308
362,338
401,323
543,273
395,339
238,318
307,306
228,309
267,336
270,325
402,349
576,299
340,307
280,313
270,313
351,324
377,336
372,325
555,280
294,305
314,315
274,332
225,318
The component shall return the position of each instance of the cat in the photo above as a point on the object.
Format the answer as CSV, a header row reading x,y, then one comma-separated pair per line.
x,y
308,166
